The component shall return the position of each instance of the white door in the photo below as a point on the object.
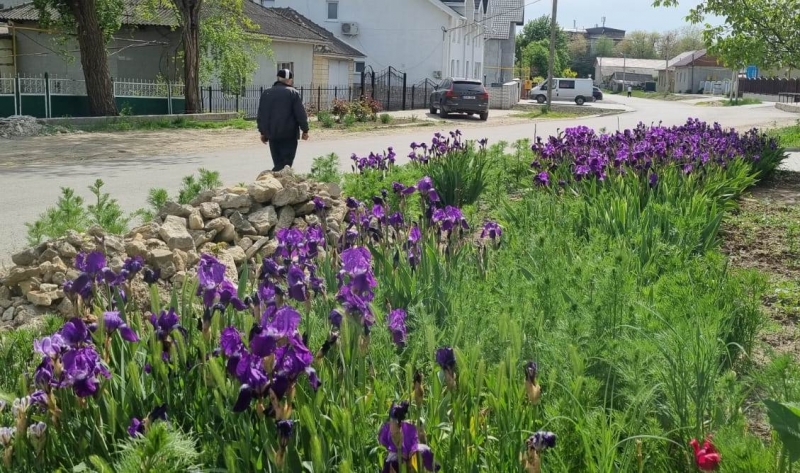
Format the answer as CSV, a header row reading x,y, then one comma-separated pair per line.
x,y
338,73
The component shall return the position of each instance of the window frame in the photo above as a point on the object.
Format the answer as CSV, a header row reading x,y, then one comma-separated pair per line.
x,y
328,4
282,65
363,65
570,82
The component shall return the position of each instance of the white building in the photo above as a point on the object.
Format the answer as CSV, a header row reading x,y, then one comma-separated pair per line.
x,y
426,39
502,19
605,67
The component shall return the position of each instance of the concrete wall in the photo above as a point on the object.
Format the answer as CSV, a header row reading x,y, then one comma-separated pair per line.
x,y
404,34
499,56
140,54
601,74
688,81
504,97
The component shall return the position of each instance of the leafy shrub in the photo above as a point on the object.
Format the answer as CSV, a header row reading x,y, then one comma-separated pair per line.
x,y
69,213
326,169
386,118
326,119
349,120
362,110
191,186
459,176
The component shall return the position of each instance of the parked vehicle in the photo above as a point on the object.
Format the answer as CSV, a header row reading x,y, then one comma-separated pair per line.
x,y
467,96
578,90
597,93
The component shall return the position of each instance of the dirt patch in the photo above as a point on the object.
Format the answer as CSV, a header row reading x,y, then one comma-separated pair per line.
x,y
764,234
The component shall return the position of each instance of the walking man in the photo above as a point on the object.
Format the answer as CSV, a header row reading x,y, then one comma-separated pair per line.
x,y
281,117
629,90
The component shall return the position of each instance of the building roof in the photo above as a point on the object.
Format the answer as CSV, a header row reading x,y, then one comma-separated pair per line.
x,y
502,15
333,45
697,58
278,23
602,30
628,62
133,14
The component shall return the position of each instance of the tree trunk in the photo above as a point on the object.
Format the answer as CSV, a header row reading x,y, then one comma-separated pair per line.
x,y
94,58
190,14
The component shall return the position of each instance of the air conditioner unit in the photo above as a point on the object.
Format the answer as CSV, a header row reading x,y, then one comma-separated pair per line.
x,y
350,29
437,74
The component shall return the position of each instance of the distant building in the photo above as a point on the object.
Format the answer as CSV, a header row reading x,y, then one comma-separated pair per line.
x,y
503,17
594,35
689,71
606,67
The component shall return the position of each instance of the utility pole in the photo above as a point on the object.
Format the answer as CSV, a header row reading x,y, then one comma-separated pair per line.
x,y
551,58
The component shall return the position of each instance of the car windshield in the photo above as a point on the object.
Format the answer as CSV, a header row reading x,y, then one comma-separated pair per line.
x,y
468,86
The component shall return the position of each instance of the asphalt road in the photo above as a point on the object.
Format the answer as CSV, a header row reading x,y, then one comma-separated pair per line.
x,y
29,189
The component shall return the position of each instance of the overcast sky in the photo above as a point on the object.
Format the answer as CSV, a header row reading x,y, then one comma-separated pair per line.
x,y
626,15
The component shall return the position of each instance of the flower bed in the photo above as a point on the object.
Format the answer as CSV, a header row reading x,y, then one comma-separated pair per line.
x,y
589,325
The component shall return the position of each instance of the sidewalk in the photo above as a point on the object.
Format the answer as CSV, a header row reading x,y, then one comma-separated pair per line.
x,y
792,163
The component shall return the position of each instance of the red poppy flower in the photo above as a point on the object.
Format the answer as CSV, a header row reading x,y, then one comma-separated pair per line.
x,y
706,458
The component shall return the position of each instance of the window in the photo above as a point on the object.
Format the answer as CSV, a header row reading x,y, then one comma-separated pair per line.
x,y
466,70
566,84
452,67
477,70
333,10
458,67
267,3
286,65
360,66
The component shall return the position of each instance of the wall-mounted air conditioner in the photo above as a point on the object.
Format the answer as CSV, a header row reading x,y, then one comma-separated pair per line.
x,y
350,29
437,74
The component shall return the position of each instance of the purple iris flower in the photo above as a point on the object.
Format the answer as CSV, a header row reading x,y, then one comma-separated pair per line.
x,y
113,322
446,358
491,230
296,280
653,180
397,324
75,332
285,429
50,346
91,263
396,220
319,204
407,448
292,359
542,179
414,235
425,185
43,375
352,203
542,440
210,272
82,285
81,369
151,276
409,190
136,427
335,318
133,265
230,340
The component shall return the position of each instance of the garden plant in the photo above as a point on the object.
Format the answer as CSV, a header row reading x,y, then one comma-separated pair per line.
x,y
572,313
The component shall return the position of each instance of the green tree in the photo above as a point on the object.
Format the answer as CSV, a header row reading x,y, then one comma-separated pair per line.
x,y
690,38
604,47
93,23
534,30
219,33
765,32
533,47
581,61
639,45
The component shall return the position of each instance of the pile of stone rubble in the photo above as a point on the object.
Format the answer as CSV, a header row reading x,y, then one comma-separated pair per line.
x,y
19,126
234,223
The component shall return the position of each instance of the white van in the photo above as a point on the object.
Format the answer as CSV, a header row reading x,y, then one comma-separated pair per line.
x,y
578,90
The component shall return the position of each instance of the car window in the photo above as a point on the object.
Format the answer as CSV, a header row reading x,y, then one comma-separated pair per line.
x,y
566,84
467,86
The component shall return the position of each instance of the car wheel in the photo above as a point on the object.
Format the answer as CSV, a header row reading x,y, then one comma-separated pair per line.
x,y
579,100
541,99
433,110
442,112
484,116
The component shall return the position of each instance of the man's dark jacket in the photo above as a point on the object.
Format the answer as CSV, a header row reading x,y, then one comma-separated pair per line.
x,y
281,114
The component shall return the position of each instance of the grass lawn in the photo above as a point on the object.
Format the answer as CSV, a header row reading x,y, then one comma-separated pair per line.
x,y
640,94
728,103
179,123
788,136
557,111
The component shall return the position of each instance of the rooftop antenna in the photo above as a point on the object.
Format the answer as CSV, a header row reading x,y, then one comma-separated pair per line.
x,y
575,24
604,22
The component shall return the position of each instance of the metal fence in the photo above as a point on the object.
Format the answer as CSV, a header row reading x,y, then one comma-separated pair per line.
x,y
772,86
389,88
48,96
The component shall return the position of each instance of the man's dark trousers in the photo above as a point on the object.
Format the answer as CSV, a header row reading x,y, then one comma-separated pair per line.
x,y
283,153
